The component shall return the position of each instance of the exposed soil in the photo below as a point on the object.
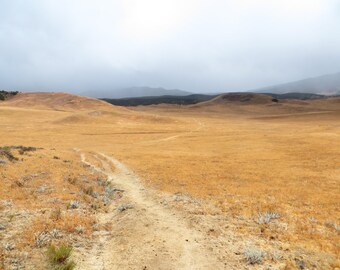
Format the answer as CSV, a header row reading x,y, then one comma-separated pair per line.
x,y
145,233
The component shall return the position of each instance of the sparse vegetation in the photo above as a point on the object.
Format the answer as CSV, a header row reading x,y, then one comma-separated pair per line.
x,y
276,256
59,257
267,217
20,148
79,229
333,225
9,246
73,205
41,239
253,255
44,204
109,192
123,207
89,190
95,206
6,151
2,161
56,214
72,180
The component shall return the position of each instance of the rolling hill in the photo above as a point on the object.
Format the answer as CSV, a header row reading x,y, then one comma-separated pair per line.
x,y
255,104
55,101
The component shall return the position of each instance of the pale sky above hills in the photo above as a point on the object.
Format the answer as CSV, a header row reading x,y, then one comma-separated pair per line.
x,y
194,45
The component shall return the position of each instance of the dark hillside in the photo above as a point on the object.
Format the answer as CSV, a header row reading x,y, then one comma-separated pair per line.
x,y
180,100
7,94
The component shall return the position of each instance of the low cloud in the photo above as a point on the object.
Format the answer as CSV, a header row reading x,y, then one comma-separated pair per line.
x,y
201,46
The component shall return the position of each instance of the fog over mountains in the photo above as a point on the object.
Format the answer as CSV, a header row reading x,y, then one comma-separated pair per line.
x,y
135,92
324,85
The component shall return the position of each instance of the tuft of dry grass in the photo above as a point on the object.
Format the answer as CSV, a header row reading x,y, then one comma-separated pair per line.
x,y
68,222
253,255
59,257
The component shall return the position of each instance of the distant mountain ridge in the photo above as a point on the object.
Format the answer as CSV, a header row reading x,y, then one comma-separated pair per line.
x,y
133,92
321,85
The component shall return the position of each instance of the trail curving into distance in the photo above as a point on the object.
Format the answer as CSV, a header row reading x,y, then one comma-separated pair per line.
x,y
199,127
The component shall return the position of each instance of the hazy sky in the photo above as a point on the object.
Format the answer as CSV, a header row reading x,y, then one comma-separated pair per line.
x,y
195,45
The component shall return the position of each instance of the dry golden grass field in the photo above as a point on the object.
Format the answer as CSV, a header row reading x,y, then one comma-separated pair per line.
x,y
239,182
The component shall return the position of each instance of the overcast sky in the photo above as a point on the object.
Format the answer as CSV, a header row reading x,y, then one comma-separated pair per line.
x,y
194,45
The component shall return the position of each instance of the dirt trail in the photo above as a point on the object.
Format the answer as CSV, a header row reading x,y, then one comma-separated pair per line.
x,y
199,127
148,236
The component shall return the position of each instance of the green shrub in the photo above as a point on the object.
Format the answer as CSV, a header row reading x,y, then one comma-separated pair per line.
x,y
59,257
